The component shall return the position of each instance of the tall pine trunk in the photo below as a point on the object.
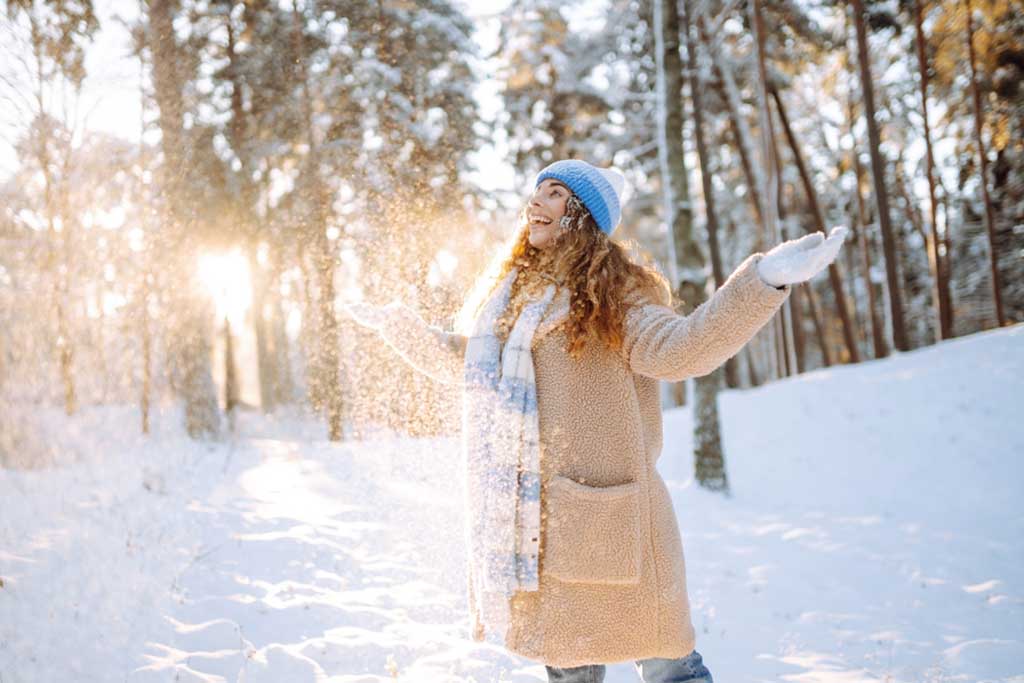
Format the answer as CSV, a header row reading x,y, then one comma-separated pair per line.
x,y
769,178
706,163
990,221
942,313
878,176
763,346
146,284
879,345
284,385
191,325
146,390
55,190
230,375
238,130
327,356
687,262
785,318
834,277
744,146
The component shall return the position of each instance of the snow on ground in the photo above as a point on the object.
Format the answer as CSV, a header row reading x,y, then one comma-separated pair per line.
x,y
874,533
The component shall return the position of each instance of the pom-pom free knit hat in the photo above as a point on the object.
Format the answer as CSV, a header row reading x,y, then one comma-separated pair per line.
x,y
600,189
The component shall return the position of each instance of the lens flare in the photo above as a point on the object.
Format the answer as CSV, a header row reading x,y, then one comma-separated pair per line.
x,y
226,277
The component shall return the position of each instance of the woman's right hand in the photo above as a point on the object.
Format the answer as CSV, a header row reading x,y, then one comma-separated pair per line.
x,y
429,349
366,314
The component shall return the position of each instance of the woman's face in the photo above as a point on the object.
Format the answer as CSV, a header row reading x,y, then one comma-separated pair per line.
x,y
545,210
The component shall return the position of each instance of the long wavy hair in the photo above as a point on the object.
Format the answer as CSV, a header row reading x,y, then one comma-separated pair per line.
x,y
602,276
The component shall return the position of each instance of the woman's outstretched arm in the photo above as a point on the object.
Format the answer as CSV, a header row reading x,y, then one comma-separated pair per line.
x,y
660,343
427,348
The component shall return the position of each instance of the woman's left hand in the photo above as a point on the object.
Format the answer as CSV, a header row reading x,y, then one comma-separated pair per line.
x,y
799,260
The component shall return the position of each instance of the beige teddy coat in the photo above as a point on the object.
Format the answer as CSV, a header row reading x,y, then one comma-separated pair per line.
x,y
612,570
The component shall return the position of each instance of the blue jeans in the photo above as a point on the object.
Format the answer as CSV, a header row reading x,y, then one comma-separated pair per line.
x,y
688,669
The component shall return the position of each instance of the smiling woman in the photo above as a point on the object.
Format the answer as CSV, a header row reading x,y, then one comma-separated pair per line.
x,y
575,558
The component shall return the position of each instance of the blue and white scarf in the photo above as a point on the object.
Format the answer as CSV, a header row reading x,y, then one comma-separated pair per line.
x,y
501,447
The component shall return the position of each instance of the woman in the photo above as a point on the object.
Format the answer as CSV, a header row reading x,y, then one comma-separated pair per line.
x,y
574,552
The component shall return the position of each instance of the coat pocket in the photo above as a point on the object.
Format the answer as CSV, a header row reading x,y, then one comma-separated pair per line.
x,y
593,532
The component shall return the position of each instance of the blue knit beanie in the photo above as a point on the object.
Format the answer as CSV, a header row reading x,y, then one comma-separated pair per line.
x,y
600,189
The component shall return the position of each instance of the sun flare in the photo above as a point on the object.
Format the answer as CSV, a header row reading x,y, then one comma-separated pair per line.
x,y
225,275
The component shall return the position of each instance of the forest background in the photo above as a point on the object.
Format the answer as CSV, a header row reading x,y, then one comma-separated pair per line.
x,y
190,188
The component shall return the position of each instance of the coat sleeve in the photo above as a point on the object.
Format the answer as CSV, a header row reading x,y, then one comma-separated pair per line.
x,y
660,343
427,348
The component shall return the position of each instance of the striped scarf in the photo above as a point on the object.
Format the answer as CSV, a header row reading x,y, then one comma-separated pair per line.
x,y
501,447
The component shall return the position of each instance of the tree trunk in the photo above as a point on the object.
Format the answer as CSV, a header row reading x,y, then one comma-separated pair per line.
x,y
674,176
860,324
769,174
284,385
799,335
265,362
146,284
730,95
686,260
878,175
785,318
753,376
835,279
238,128
147,353
947,262
708,453
230,376
879,345
819,327
58,239
202,416
859,220
328,366
309,339
65,352
190,342
940,284
704,157
990,221
946,268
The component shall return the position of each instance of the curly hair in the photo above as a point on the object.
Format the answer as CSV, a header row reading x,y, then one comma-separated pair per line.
x,y
599,272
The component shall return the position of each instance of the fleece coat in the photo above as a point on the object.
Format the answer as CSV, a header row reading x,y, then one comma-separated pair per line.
x,y
612,568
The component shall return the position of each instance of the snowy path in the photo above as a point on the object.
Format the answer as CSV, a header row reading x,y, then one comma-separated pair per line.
x,y
322,562
874,534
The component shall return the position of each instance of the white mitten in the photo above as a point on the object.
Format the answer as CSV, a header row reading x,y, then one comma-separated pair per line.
x,y
800,259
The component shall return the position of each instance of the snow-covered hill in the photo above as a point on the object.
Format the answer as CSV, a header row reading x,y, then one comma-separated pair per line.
x,y
875,532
